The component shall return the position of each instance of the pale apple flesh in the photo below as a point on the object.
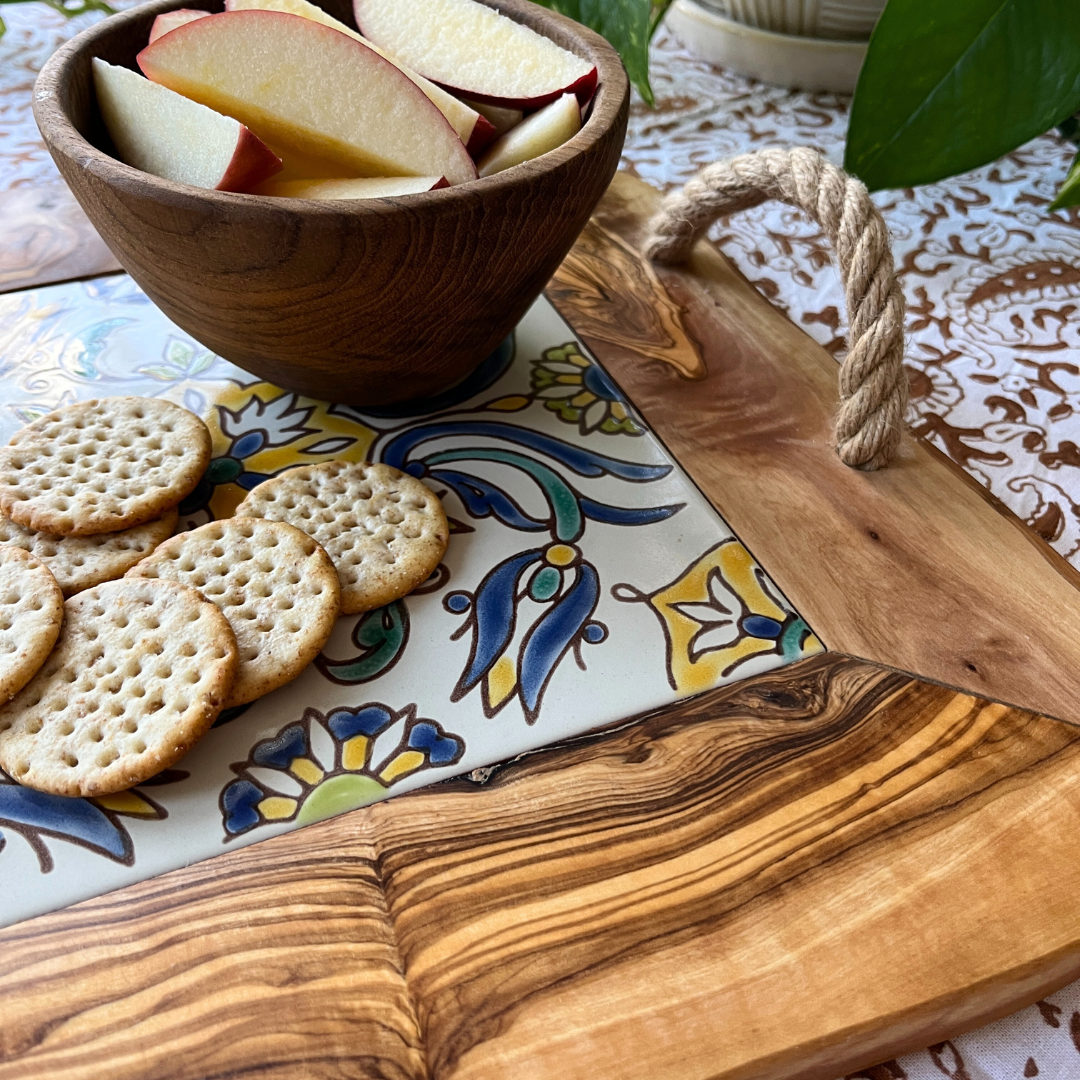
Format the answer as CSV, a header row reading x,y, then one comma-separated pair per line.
x,y
366,187
475,52
501,120
308,88
536,135
170,20
162,133
472,128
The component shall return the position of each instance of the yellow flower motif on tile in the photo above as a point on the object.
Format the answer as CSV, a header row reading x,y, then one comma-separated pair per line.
x,y
718,614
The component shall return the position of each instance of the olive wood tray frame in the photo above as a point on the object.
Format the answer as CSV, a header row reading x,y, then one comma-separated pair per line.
x,y
792,877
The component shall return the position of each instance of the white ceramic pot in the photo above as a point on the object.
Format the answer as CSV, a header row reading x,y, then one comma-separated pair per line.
x,y
839,20
773,56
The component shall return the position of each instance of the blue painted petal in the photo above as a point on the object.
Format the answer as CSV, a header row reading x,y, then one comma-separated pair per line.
x,y
494,611
597,381
442,749
77,818
552,635
368,720
238,802
583,462
249,480
278,752
249,443
617,515
761,626
482,499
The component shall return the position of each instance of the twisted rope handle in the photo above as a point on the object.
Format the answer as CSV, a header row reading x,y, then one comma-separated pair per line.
x,y
873,383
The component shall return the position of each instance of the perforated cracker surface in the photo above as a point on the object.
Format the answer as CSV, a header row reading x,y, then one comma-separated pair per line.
x,y
80,562
385,530
31,611
102,465
138,675
275,585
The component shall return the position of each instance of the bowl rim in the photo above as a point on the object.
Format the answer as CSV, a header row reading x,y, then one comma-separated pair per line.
x,y
63,138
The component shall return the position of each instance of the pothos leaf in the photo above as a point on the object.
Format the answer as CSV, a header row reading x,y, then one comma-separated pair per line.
x,y
1069,192
948,87
627,24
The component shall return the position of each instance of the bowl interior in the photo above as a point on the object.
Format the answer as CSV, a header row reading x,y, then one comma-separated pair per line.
x,y
119,39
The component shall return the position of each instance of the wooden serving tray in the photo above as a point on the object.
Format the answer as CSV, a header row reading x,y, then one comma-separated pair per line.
x,y
795,876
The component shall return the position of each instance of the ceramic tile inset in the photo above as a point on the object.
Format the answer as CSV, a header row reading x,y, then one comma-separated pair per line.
x,y
586,580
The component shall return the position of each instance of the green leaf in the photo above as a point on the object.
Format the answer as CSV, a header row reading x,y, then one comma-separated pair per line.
x,y
1069,192
949,85
627,24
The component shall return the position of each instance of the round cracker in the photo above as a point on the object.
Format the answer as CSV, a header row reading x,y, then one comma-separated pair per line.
x,y
138,675
81,562
31,612
385,530
102,465
276,586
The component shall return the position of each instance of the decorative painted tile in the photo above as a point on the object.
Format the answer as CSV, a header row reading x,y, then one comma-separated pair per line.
x,y
586,580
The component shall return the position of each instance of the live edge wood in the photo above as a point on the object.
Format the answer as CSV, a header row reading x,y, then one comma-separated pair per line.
x,y
912,566
365,302
792,877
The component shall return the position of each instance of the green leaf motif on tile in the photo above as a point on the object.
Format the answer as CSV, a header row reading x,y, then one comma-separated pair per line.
x,y
627,24
948,87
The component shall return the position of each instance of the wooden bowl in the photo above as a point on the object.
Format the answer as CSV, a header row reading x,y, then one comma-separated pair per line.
x,y
368,302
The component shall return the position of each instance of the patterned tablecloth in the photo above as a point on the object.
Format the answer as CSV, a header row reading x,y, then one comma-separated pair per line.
x,y
993,290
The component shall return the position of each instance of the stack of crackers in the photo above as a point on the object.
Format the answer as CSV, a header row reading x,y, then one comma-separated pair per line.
x,y
119,642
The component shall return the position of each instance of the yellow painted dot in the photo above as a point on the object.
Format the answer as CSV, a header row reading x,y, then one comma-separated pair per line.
x,y
560,554
306,770
277,807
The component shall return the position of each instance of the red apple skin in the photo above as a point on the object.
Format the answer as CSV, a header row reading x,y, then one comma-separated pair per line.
x,y
170,20
481,137
584,88
252,163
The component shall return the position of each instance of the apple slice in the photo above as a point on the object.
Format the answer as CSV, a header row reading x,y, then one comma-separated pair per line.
x,y
162,133
307,88
502,120
366,187
170,20
536,135
474,130
474,51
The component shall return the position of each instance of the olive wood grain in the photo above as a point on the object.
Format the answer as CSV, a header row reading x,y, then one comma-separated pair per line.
x,y
910,567
790,877
361,301
274,962
45,237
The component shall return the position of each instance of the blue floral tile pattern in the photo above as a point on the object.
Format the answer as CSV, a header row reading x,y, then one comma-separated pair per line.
x,y
586,581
